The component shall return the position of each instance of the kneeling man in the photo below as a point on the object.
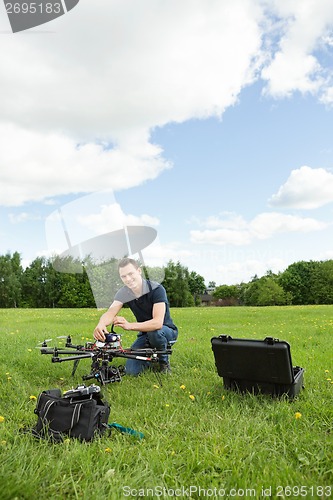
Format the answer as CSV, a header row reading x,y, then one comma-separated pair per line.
x,y
149,303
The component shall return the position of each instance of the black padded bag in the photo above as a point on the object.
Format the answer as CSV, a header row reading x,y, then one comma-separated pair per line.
x,y
83,417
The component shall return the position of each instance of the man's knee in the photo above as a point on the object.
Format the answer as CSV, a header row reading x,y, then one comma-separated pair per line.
x,y
134,367
157,338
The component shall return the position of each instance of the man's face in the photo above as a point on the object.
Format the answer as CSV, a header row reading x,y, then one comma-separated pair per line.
x,y
131,276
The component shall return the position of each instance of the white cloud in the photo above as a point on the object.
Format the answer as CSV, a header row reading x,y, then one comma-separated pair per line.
x,y
151,63
292,72
306,188
96,214
22,217
37,165
263,226
294,67
106,76
158,253
224,220
238,271
221,237
82,96
327,96
268,224
111,217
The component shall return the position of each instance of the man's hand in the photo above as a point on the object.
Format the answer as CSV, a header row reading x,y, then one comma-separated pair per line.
x,y
122,322
99,332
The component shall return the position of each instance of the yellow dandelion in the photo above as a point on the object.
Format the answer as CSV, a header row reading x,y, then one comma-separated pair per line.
x,y
167,405
223,398
298,415
7,373
33,398
183,386
3,443
107,450
2,419
29,350
327,371
329,379
67,441
156,386
208,393
173,452
192,397
9,378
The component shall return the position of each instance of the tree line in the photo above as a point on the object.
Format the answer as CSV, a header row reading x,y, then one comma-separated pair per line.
x,y
42,285
302,283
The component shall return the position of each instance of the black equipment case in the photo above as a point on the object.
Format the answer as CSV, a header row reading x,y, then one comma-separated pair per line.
x,y
257,366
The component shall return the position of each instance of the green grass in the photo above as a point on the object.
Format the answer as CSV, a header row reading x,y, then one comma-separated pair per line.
x,y
236,443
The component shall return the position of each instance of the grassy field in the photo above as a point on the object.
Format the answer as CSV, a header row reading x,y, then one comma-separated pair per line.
x,y
201,441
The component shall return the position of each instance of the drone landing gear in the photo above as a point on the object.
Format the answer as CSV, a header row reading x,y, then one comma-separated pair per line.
x,y
75,365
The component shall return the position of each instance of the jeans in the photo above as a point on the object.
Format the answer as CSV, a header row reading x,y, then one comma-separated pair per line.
x,y
157,339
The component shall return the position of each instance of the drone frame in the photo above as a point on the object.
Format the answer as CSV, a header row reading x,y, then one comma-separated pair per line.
x,y
102,355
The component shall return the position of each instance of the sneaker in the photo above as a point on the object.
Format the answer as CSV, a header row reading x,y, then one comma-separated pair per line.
x,y
165,368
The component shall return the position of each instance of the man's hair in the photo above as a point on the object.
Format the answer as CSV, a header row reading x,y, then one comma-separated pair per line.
x,y
127,260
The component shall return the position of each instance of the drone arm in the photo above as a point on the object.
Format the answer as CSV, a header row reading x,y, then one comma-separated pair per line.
x,y
56,359
133,356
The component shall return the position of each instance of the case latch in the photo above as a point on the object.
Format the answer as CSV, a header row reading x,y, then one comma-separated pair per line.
x,y
271,340
225,338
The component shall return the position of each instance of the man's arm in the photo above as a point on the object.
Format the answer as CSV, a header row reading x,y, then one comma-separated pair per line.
x,y
145,326
107,319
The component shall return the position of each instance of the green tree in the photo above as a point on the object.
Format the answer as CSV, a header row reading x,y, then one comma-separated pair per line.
x,y
298,280
197,287
34,284
322,283
66,286
53,284
266,291
10,280
176,283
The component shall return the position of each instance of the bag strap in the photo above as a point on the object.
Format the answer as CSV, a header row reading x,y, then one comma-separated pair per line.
x,y
126,430
43,414
76,415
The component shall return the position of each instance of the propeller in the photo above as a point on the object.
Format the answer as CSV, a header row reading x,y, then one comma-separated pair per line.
x,y
43,343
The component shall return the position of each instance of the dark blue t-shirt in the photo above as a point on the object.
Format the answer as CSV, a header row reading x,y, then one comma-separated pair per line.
x,y
142,307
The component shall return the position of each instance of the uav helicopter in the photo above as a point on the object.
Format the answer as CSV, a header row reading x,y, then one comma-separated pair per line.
x,y
101,355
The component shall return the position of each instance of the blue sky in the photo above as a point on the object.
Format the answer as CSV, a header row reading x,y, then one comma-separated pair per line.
x,y
212,124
